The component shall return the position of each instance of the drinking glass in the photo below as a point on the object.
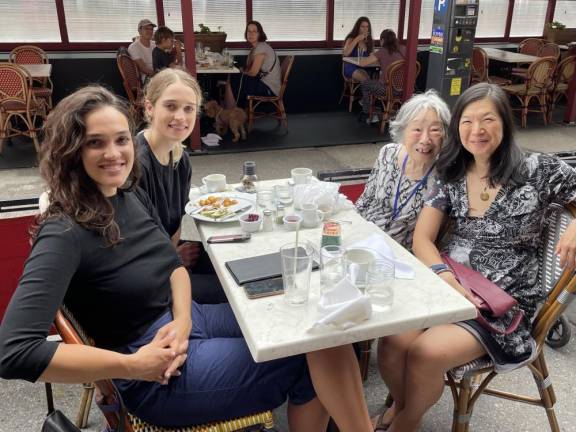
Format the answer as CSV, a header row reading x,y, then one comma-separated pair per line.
x,y
265,198
379,280
296,270
283,194
332,267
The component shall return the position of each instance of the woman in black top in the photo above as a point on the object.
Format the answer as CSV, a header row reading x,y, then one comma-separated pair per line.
x,y
171,102
100,250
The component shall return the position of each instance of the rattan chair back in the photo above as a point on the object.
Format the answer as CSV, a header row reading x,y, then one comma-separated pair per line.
x,y
549,50
530,46
28,54
479,66
285,69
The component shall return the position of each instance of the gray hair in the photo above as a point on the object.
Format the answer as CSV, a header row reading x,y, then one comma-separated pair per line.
x,y
414,106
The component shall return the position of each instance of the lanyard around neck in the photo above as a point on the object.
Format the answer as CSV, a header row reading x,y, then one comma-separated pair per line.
x,y
397,209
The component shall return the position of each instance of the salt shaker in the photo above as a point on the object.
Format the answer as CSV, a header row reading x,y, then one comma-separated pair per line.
x,y
267,220
279,214
250,178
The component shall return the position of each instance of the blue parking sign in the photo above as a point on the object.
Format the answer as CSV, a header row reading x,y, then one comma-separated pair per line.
x,y
440,6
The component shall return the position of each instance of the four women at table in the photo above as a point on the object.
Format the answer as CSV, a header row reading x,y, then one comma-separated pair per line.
x,y
102,251
358,43
261,75
495,199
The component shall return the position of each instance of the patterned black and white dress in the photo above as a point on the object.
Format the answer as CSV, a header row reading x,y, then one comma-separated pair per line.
x,y
503,244
377,201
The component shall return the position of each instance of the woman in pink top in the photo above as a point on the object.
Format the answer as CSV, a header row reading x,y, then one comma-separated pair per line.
x,y
390,52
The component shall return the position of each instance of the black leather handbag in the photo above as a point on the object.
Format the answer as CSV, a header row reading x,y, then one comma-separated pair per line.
x,y
56,421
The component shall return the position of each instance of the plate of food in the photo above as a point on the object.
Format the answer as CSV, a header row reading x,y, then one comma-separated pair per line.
x,y
219,207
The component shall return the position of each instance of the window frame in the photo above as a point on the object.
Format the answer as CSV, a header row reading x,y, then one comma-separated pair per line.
x,y
327,43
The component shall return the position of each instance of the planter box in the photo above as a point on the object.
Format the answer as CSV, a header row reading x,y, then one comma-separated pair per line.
x,y
560,36
215,40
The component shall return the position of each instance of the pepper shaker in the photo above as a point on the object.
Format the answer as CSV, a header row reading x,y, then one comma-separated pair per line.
x,y
249,178
267,220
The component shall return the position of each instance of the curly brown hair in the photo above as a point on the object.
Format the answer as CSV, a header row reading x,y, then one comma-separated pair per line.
x,y
72,193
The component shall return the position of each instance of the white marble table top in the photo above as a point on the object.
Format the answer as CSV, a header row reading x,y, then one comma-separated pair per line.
x,y
509,57
274,329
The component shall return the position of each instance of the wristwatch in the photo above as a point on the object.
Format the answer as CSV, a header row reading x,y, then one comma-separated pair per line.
x,y
440,268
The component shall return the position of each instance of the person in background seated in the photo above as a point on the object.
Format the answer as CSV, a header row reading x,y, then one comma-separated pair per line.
x,y
389,52
171,101
496,200
358,43
141,49
166,53
102,252
261,75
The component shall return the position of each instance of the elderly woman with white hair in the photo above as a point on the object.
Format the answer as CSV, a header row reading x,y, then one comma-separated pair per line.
x,y
394,196
394,193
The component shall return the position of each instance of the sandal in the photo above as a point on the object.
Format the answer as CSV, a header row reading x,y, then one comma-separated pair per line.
x,y
379,424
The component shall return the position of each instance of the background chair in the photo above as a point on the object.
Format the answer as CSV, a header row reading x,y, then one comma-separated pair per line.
x,y
17,102
351,86
277,101
536,86
530,46
466,381
114,411
29,54
395,76
563,75
480,69
131,81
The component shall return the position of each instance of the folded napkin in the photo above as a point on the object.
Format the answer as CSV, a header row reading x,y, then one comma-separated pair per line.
x,y
342,307
211,140
378,244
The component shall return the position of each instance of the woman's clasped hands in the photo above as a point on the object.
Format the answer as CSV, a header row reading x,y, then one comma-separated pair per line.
x,y
160,359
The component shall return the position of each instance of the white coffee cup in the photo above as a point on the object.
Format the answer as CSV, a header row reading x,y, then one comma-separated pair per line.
x,y
301,175
358,262
215,182
311,216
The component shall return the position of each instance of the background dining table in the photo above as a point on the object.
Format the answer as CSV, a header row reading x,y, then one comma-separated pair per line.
x,y
38,70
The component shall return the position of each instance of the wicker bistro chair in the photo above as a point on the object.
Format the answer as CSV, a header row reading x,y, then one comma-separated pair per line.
x,y
29,54
530,46
467,382
18,101
536,86
132,83
480,69
351,87
277,101
563,76
395,76
546,50
113,409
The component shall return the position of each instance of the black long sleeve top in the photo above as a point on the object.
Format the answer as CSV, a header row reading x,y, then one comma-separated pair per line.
x,y
167,186
115,292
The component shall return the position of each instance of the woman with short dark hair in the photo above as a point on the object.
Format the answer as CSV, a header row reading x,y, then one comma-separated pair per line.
x,y
496,200
261,75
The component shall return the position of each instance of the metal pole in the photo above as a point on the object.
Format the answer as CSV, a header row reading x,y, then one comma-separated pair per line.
x,y
412,47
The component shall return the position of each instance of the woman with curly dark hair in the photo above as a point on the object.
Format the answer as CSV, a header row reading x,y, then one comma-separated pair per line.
x,y
101,249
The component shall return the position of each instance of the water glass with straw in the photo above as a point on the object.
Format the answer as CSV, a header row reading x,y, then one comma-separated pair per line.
x,y
296,271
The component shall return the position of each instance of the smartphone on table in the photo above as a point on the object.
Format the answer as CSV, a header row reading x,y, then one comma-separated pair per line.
x,y
264,288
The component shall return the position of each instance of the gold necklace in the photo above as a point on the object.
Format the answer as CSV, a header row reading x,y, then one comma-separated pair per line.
x,y
484,195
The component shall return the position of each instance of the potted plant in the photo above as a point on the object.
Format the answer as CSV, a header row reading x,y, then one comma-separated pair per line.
x,y
214,40
558,33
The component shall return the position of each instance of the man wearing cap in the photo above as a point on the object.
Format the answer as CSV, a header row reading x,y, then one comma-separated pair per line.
x,y
141,49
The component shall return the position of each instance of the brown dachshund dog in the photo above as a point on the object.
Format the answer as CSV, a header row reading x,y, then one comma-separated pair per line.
x,y
227,118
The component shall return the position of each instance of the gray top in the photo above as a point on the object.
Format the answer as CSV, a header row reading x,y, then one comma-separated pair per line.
x,y
271,64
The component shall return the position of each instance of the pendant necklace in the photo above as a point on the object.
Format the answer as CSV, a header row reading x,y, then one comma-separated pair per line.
x,y
484,195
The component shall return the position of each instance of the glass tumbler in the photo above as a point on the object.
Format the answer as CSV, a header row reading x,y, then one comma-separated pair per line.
x,y
332,267
283,194
296,271
379,281
265,199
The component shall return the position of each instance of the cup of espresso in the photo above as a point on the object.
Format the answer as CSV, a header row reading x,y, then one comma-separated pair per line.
x,y
215,183
301,175
311,216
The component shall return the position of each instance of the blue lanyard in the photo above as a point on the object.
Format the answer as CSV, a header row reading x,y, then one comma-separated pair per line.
x,y
396,210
